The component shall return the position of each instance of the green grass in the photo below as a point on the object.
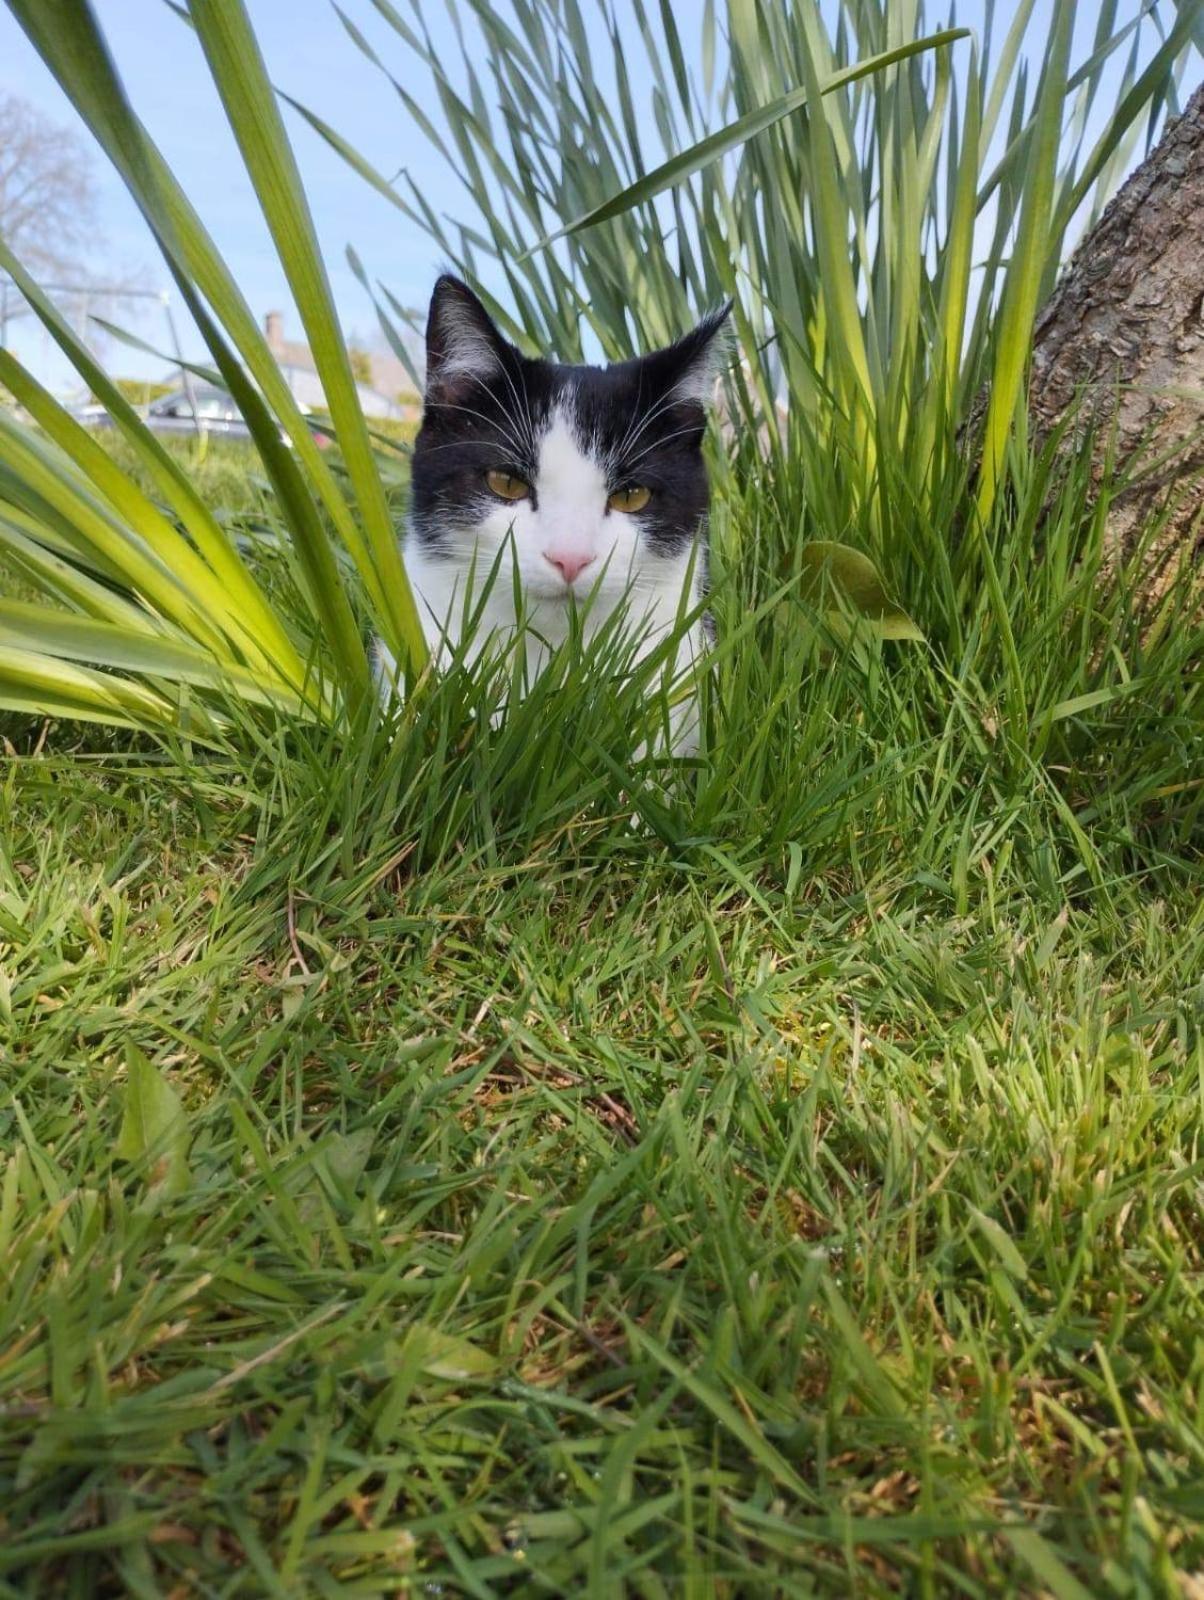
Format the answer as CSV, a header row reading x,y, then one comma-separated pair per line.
x,y
451,1157
226,473
781,1179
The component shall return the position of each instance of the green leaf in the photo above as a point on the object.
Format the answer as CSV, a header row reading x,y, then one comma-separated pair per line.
x,y
154,1128
876,1382
1000,1242
1046,1565
224,578
241,79
138,650
1193,14
708,1393
346,1156
351,156
831,569
445,1355
42,685
1029,264
1088,702
90,525
66,35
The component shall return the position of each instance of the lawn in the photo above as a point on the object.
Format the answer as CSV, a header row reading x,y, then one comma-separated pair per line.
x,y
444,1151
468,1166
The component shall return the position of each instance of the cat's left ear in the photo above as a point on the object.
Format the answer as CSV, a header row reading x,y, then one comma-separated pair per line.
x,y
687,370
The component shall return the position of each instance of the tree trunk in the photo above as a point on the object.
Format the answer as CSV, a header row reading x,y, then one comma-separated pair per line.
x,y
1124,330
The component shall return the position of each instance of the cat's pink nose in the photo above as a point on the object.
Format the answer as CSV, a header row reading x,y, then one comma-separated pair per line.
x,y
569,563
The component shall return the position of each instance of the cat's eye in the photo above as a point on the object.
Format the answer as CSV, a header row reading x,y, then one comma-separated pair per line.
x,y
506,486
633,499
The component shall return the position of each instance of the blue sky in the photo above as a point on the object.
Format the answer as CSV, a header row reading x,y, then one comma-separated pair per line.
x,y
310,56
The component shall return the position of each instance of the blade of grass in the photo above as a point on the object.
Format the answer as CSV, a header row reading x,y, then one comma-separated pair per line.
x,y
141,516
107,644
1029,265
45,472
66,35
262,625
687,162
240,75
44,685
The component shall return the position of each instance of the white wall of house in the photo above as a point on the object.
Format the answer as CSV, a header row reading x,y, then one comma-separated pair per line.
x,y
307,390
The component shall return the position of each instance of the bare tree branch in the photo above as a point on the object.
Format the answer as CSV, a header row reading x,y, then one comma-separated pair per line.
x,y
48,217
47,190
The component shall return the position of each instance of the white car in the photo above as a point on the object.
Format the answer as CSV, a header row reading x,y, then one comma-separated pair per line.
x,y
214,412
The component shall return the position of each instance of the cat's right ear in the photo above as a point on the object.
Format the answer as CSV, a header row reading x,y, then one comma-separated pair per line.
x,y
463,346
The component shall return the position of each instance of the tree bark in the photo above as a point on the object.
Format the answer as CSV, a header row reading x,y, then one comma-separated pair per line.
x,y
1123,335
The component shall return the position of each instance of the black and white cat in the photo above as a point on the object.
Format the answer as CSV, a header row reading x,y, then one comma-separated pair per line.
x,y
590,481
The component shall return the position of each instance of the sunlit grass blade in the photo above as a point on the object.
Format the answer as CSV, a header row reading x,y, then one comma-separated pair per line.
x,y
46,686
941,398
1030,265
23,541
716,145
261,630
242,81
66,34
45,473
142,518
148,654
848,356
358,164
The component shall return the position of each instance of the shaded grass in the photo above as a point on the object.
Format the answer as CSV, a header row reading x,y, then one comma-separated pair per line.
x,y
780,1180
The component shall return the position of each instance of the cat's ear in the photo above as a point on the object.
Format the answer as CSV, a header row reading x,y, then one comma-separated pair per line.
x,y
687,370
462,344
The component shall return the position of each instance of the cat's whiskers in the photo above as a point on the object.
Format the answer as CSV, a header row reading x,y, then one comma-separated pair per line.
x,y
640,422
646,422
507,433
656,444
460,444
635,416
523,411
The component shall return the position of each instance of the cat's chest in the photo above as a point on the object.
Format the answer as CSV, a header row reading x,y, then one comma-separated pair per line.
x,y
443,587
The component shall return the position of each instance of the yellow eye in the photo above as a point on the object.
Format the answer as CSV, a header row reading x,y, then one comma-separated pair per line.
x,y
506,486
634,499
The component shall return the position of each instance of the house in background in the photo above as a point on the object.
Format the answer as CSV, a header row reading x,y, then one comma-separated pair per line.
x,y
388,393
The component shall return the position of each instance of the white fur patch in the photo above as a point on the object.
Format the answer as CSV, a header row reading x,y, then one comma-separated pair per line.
x,y
467,351
569,518
565,471
698,383
701,377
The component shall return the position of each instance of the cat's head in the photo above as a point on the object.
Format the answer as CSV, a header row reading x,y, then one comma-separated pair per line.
x,y
593,477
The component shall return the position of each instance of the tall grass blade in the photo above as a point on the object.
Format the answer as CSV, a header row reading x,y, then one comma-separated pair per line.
x,y
1030,265
241,78
716,145
67,36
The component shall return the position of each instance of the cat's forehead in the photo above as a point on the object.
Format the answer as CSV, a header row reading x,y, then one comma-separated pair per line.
x,y
567,459
597,402
580,387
